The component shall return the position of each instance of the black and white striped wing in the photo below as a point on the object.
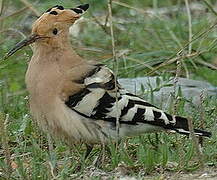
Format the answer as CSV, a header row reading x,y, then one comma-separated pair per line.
x,y
101,101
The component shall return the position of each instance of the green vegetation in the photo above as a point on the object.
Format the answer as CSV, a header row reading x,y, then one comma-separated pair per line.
x,y
147,33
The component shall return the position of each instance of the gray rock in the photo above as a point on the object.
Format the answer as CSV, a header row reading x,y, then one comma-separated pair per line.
x,y
163,89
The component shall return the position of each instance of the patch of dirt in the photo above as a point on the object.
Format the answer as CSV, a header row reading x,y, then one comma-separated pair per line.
x,y
121,173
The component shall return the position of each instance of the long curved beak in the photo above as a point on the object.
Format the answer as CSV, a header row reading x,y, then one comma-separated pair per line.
x,y
29,40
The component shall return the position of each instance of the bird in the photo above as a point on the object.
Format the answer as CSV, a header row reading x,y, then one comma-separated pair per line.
x,y
82,101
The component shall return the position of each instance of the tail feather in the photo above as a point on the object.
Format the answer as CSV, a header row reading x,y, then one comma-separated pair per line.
x,y
202,133
181,126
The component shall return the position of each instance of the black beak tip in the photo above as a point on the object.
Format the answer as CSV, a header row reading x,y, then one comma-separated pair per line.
x,y
6,56
84,6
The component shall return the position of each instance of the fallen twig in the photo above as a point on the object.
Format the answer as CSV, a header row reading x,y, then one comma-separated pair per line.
x,y
115,64
172,60
210,7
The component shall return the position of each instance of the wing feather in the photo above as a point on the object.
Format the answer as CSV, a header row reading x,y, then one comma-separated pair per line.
x,y
98,101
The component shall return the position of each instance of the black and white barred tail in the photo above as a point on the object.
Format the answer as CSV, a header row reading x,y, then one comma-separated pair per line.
x,y
182,127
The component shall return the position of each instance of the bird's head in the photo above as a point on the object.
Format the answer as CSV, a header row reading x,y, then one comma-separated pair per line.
x,y
51,26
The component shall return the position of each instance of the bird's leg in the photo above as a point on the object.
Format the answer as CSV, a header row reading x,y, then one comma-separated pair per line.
x,y
50,143
82,159
152,142
88,151
107,149
100,159
51,151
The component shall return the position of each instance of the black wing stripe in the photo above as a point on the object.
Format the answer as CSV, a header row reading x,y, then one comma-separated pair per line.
x,y
139,115
129,94
110,85
157,114
101,109
169,117
76,98
94,71
94,85
130,105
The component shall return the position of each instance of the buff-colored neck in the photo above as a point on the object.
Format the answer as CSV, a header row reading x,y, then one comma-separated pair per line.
x,y
56,49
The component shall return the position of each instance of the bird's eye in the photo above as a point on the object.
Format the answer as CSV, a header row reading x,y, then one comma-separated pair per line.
x,y
55,31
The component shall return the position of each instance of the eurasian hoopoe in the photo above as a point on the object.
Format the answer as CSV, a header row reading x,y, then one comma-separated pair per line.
x,y
76,99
